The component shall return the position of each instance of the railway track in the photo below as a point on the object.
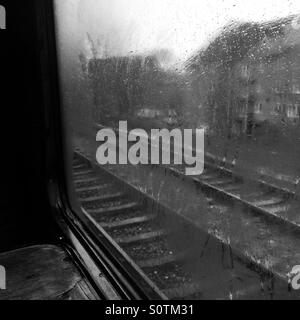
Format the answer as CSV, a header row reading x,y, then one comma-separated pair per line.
x,y
265,198
279,205
177,258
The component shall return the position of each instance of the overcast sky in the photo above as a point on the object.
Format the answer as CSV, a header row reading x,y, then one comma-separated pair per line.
x,y
182,26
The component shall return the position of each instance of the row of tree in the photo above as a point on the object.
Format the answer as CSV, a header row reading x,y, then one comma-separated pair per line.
x,y
122,86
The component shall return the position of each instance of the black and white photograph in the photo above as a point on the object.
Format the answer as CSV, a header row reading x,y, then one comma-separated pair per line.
x,y
150,152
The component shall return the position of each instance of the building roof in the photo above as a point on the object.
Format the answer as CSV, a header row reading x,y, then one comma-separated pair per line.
x,y
235,42
286,41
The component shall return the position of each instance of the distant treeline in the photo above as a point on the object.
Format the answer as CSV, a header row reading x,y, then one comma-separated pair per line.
x,y
122,86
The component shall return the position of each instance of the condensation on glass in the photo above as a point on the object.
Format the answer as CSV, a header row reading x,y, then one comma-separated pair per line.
x,y
229,67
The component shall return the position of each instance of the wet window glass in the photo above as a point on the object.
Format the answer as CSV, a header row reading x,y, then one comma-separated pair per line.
x,y
184,127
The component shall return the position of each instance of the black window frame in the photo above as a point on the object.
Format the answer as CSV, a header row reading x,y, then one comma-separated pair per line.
x,y
79,232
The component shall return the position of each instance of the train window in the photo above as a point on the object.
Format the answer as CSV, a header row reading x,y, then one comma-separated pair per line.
x,y
181,124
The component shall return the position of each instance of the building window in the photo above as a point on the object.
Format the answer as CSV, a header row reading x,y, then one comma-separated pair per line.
x,y
296,88
278,108
259,88
259,107
245,71
292,111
